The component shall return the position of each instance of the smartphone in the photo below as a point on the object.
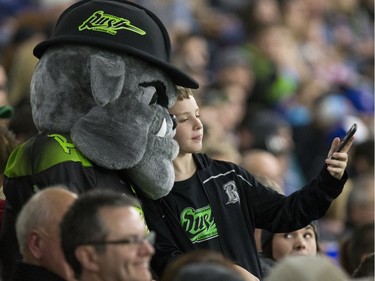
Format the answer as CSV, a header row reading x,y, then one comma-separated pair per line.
x,y
347,137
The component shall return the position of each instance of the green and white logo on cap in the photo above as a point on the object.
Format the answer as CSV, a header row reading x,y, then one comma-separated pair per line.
x,y
99,21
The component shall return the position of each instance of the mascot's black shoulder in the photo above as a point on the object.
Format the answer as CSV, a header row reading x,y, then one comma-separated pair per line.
x,y
41,152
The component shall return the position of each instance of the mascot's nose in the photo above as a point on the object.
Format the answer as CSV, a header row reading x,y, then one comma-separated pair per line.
x,y
174,120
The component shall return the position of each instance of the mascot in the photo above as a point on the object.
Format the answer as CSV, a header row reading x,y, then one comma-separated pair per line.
x,y
100,96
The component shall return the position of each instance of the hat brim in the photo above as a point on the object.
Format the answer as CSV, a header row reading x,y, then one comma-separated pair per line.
x,y
178,77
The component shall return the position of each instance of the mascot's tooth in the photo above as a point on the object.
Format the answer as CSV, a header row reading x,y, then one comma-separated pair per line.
x,y
163,129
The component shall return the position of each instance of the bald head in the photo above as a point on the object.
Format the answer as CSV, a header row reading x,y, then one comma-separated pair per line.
x,y
39,220
263,164
45,209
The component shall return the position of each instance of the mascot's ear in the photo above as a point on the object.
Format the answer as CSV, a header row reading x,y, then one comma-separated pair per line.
x,y
107,78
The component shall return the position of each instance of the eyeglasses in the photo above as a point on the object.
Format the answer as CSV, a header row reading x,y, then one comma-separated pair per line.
x,y
131,240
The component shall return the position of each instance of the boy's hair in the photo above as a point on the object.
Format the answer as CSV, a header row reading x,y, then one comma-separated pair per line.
x,y
183,93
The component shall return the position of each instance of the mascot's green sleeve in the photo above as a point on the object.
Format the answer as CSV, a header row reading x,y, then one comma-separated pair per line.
x,y
100,96
50,159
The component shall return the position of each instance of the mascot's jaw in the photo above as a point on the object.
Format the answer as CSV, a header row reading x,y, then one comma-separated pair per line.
x,y
163,129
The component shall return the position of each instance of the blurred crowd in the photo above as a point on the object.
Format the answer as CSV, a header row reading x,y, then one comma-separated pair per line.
x,y
279,79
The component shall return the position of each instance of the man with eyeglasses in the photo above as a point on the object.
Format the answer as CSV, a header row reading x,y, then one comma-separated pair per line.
x,y
104,237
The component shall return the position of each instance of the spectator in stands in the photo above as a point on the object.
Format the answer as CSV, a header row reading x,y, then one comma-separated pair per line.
x,y
104,238
38,235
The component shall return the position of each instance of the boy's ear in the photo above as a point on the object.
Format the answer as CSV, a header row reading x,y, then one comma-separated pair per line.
x,y
87,257
107,76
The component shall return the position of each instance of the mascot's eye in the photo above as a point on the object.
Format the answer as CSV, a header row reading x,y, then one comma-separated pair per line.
x,y
154,98
160,94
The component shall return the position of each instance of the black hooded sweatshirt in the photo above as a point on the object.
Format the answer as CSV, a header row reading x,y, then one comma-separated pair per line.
x,y
238,204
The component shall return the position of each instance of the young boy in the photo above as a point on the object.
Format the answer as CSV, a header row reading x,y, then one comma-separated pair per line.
x,y
217,205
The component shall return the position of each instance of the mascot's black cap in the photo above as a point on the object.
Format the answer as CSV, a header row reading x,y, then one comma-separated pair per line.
x,y
117,25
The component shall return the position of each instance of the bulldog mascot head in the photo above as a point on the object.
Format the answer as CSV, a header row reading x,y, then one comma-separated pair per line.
x,y
104,77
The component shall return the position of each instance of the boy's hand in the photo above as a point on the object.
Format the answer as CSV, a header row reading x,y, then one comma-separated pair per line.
x,y
336,164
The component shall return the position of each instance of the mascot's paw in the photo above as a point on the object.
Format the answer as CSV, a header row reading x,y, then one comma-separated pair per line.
x,y
154,175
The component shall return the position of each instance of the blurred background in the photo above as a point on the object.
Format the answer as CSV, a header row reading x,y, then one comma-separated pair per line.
x,y
278,76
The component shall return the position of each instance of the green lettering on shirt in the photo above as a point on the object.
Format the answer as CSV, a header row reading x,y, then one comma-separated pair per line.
x,y
199,224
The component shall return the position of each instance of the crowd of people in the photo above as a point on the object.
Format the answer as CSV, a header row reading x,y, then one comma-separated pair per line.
x,y
279,80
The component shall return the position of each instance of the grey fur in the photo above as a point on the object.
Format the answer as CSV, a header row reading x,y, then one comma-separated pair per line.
x,y
98,97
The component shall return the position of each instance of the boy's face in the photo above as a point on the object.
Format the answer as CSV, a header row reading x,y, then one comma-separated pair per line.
x,y
189,130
